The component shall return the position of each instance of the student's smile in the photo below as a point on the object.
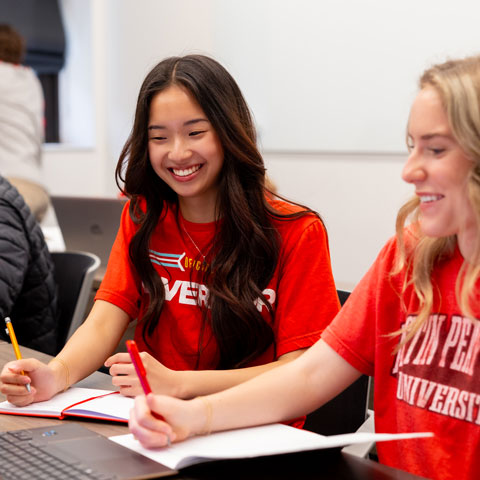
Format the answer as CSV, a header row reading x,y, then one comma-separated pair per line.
x,y
428,201
185,174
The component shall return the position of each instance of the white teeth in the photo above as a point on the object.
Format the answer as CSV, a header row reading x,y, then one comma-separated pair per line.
x,y
186,172
429,198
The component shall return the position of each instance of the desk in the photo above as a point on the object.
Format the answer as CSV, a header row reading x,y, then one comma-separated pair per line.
x,y
317,465
16,422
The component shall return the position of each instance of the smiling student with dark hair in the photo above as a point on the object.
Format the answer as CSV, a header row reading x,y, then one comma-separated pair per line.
x,y
227,279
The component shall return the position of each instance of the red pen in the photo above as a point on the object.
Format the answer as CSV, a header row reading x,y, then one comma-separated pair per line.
x,y
140,369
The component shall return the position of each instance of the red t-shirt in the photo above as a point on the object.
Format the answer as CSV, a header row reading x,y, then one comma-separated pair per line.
x,y
430,384
301,291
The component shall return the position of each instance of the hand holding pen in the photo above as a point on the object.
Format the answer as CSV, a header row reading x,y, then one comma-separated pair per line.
x,y
13,339
142,374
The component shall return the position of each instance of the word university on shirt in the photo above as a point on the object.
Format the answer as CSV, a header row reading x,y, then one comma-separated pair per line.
x,y
436,369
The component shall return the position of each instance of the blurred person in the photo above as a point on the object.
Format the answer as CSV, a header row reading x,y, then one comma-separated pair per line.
x,y
28,292
21,123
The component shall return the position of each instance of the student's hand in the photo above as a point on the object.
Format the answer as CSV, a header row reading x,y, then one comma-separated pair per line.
x,y
162,380
181,419
41,377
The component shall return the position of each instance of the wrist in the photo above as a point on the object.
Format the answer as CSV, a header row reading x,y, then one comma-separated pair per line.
x,y
183,383
61,374
203,416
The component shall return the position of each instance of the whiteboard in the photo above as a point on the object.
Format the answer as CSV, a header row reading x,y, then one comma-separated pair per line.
x,y
338,75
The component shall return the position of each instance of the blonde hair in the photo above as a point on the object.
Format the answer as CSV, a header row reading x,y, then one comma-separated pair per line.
x,y
458,84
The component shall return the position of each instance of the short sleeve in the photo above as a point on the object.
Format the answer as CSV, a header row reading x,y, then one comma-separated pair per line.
x,y
307,298
358,329
120,285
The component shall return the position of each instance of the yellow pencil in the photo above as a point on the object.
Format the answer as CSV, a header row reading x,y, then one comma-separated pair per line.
x,y
13,339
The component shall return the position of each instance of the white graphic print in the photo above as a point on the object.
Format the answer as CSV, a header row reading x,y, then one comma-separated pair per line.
x,y
436,368
192,293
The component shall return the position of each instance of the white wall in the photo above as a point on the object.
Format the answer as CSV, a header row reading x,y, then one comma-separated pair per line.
x,y
357,196
338,75
113,44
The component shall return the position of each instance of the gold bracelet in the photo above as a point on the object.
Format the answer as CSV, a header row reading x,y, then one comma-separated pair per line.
x,y
67,372
208,416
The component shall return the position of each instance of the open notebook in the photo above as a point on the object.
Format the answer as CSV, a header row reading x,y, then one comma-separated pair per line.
x,y
252,442
78,402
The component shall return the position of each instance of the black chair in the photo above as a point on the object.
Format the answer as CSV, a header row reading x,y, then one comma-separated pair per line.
x,y
347,411
74,274
343,296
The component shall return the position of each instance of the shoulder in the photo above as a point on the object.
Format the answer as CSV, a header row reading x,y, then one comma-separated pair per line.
x,y
19,78
393,260
135,210
299,235
284,212
284,207
11,202
388,254
307,222
7,190
139,207
19,231
398,247
7,71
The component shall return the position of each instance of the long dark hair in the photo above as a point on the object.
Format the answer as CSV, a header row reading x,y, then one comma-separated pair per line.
x,y
246,245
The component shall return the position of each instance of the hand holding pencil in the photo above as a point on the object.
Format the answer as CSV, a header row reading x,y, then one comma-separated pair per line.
x,y
13,339
41,384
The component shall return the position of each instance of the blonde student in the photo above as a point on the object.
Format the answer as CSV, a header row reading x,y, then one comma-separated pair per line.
x,y
412,322
226,279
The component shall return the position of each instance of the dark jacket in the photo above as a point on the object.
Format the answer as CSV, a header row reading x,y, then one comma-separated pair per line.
x,y
28,292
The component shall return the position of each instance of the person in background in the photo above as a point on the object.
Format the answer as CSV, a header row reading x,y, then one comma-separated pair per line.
x,y
227,280
412,322
21,123
28,292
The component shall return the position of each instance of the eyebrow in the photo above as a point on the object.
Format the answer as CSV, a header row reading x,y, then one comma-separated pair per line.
x,y
429,136
186,124
434,135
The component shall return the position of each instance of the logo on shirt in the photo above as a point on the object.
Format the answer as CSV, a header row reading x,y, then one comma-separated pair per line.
x,y
436,368
172,260
187,292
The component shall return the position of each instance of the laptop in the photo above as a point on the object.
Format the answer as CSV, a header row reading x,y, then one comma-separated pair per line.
x,y
72,451
89,224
